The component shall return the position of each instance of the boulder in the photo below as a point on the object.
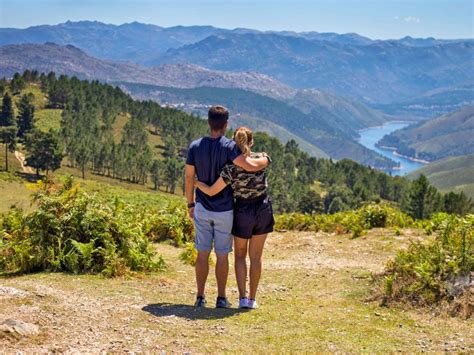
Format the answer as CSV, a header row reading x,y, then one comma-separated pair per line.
x,y
17,328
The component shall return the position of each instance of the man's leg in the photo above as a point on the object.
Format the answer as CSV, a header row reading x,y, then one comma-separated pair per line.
x,y
202,270
255,252
223,246
222,272
241,264
203,244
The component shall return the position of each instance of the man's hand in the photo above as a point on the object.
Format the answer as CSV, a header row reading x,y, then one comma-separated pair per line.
x,y
191,212
189,173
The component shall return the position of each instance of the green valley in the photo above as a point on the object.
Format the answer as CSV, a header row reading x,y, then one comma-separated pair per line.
x,y
445,136
327,126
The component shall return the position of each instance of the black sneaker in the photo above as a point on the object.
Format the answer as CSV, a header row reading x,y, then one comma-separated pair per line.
x,y
222,302
200,302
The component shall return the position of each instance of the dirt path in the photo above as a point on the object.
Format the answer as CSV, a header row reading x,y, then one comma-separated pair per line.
x,y
21,158
312,296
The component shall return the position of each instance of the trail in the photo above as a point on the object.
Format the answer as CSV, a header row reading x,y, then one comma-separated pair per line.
x,y
21,158
313,297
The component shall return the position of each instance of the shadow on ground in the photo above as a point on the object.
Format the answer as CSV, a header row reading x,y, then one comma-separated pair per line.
x,y
189,312
28,177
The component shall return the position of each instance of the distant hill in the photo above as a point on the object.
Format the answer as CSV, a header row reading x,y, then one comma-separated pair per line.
x,y
451,174
433,103
375,71
71,60
380,72
128,42
445,136
319,128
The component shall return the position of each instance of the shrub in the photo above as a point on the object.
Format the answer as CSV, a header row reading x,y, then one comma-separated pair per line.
x,y
189,254
295,221
374,215
367,217
72,231
428,273
171,223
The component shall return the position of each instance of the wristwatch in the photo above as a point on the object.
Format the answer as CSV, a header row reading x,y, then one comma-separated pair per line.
x,y
191,205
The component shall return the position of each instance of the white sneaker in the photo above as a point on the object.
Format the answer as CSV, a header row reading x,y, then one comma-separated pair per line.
x,y
252,304
244,302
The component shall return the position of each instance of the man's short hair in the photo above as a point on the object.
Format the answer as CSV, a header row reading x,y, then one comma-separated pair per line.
x,y
217,117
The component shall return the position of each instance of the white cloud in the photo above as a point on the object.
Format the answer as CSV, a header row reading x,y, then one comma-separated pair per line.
x,y
407,19
412,19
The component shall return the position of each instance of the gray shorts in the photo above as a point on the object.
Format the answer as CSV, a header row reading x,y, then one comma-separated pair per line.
x,y
213,228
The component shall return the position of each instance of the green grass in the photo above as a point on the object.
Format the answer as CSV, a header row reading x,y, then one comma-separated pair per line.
x,y
40,100
14,192
13,164
47,119
151,199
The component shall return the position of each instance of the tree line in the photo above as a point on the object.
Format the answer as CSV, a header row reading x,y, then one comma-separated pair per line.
x,y
90,141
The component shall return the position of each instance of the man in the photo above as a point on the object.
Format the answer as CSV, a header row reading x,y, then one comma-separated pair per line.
x,y
213,216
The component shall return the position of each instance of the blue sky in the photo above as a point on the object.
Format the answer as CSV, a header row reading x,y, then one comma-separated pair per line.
x,y
372,18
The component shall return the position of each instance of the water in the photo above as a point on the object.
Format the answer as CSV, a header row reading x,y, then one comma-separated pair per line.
x,y
370,136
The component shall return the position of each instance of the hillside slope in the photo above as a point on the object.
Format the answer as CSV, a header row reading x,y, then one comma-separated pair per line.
x,y
451,174
319,128
445,136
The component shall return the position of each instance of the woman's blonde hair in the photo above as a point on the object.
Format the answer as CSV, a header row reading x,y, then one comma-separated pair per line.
x,y
244,139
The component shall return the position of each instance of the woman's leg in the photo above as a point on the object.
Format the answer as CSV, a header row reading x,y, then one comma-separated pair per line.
x,y
240,250
255,252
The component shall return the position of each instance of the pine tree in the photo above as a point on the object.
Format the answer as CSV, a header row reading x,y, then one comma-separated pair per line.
x,y
422,199
3,86
26,115
7,117
157,170
8,138
173,172
458,203
311,202
43,151
17,83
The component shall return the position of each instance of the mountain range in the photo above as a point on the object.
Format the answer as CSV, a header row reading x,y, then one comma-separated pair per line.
x,y
323,124
374,71
317,88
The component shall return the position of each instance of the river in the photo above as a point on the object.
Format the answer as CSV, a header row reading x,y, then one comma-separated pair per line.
x,y
370,136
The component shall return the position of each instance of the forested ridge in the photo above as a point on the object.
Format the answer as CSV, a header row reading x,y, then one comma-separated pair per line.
x,y
103,131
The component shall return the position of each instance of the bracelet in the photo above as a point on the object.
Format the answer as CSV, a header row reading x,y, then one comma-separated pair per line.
x,y
191,205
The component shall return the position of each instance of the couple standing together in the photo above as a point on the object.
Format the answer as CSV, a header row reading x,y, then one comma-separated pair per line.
x,y
231,204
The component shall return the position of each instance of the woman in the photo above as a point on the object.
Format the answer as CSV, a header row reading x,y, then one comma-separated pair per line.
x,y
253,216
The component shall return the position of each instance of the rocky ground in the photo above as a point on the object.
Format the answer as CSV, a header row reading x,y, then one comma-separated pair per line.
x,y
314,295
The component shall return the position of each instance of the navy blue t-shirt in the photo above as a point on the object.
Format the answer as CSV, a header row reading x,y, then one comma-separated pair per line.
x,y
209,156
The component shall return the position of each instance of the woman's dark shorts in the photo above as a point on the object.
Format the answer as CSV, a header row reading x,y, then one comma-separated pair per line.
x,y
252,217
